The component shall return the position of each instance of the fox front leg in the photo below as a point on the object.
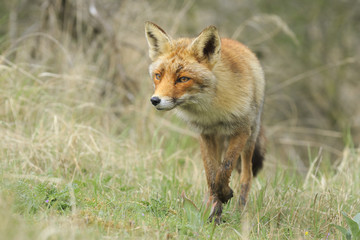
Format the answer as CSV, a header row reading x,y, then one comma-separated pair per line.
x,y
222,179
211,151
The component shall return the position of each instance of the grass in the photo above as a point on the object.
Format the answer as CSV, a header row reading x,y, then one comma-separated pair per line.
x,y
70,169
85,157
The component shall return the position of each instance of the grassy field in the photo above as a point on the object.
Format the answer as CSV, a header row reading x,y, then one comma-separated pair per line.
x,y
83,157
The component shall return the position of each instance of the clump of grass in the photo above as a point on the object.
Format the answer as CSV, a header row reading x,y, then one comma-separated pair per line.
x,y
282,205
353,232
31,199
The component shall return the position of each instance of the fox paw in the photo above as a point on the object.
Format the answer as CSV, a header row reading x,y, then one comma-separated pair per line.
x,y
224,193
216,211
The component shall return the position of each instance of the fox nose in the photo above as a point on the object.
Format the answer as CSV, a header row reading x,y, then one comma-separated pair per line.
x,y
155,100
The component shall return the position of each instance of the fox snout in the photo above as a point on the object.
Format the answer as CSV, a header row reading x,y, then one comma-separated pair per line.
x,y
155,100
163,103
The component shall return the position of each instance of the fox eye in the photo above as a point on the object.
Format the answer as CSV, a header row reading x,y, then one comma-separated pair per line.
x,y
182,79
157,76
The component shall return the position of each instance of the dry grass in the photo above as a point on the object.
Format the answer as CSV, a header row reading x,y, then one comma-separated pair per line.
x,y
83,154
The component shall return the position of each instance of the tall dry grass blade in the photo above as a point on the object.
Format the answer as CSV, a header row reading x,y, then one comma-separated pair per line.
x,y
3,60
304,143
34,177
311,168
179,17
18,42
72,199
310,73
257,21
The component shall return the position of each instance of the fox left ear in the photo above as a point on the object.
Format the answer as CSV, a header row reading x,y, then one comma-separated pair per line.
x,y
207,45
158,40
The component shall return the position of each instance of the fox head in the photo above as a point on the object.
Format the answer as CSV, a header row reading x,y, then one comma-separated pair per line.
x,y
181,68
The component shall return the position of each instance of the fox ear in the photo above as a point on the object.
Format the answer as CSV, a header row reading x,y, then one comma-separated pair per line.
x,y
207,45
158,40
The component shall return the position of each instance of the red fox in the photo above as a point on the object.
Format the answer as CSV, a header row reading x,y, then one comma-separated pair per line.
x,y
217,86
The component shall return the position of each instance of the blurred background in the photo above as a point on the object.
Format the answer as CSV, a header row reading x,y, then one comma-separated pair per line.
x,y
94,53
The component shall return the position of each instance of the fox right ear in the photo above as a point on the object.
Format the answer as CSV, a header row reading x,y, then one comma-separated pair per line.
x,y
207,45
158,40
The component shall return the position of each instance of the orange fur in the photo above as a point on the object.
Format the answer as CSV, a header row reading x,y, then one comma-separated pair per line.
x,y
217,86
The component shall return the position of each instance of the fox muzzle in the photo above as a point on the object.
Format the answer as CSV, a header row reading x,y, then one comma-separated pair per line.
x,y
163,103
155,100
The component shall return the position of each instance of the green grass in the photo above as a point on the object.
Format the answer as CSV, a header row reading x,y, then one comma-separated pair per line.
x,y
71,170
108,204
